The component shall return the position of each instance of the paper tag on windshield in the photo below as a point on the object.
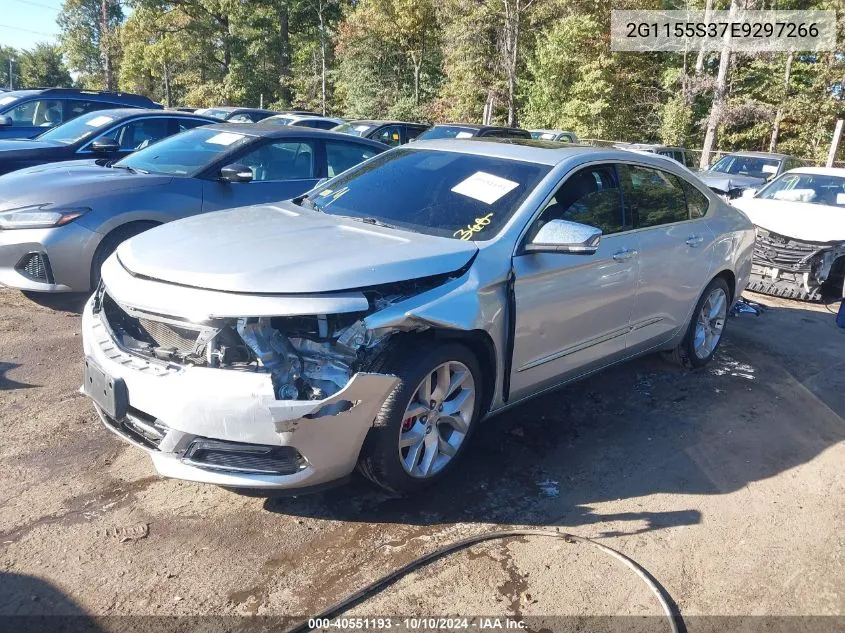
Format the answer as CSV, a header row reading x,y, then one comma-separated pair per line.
x,y
547,136
840,198
6,100
362,128
464,135
485,187
97,121
225,138
770,169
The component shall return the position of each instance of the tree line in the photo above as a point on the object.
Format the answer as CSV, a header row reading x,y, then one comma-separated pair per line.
x,y
533,63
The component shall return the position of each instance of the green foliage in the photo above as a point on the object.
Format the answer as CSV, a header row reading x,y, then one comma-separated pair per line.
x,y
87,46
43,66
446,60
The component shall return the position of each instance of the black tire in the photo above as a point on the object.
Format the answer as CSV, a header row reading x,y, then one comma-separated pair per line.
x,y
110,243
684,354
379,459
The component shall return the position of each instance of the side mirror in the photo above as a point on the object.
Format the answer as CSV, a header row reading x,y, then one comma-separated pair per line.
x,y
236,173
105,145
5,121
563,236
749,193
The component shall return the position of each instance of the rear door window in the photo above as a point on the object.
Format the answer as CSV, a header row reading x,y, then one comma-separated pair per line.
x,y
656,196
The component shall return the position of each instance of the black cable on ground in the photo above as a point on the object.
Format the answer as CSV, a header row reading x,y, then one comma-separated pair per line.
x,y
670,609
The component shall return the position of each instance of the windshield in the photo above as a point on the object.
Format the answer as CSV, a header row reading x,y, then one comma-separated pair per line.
x,y
217,114
812,188
353,127
184,154
463,196
278,120
8,98
77,129
747,166
447,131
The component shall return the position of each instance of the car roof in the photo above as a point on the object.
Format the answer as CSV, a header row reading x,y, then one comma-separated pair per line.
x,y
648,146
283,131
119,113
819,171
760,154
93,95
531,150
375,122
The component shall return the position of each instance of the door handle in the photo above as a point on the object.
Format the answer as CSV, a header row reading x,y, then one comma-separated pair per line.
x,y
694,240
624,255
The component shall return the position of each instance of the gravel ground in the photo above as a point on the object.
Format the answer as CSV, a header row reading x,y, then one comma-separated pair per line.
x,y
727,484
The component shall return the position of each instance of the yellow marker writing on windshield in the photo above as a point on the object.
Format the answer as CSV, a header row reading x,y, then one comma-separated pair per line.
x,y
472,229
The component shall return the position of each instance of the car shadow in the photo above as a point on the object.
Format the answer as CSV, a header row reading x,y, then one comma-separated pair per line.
x,y
6,383
65,301
30,604
638,429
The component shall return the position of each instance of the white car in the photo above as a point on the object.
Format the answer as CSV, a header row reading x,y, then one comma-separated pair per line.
x,y
800,248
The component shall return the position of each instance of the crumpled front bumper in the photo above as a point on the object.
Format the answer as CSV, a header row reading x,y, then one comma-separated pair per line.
x,y
186,403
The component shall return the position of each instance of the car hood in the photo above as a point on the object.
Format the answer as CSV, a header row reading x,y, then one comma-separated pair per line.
x,y
11,147
284,249
60,183
799,220
728,182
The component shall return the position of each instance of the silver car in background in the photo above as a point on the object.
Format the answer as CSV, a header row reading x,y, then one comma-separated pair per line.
x,y
378,319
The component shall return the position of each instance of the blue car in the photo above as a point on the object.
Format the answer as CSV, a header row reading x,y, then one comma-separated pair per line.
x,y
28,113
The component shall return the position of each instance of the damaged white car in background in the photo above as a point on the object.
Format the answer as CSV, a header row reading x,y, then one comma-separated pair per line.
x,y
376,320
800,247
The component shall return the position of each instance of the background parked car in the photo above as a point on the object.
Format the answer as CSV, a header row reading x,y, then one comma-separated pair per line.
x,y
236,115
28,113
303,120
800,248
732,174
554,135
679,154
107,134
466,130
59,222
391,133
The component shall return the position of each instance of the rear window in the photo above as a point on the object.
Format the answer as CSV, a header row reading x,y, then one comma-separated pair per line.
x,y
354,128
447,131
450,194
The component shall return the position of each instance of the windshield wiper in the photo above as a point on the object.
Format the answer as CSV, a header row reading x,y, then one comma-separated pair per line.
x,y
369,220
126,167
307,202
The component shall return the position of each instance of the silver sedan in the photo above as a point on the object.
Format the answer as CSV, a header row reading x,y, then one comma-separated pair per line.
x,y
379,319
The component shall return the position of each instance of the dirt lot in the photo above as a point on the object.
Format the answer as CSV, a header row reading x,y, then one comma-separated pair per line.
x,y
727,484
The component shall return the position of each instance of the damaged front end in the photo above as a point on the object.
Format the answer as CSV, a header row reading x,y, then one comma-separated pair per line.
x,y
308,357
795,269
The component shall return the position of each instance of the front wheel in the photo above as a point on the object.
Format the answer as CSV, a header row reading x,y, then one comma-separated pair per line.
x,y
705,330
425,424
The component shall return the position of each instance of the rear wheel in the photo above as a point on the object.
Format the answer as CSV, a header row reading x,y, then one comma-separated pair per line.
x,y
425,424
704,333
111,242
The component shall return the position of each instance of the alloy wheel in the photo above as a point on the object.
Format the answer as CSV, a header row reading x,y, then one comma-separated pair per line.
x,y
710,323
437,419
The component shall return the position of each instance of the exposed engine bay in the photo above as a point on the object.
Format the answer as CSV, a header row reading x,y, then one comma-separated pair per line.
x,y
796,269
308,357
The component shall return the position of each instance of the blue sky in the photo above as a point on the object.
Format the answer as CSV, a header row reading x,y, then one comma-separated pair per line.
x,y
24,23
